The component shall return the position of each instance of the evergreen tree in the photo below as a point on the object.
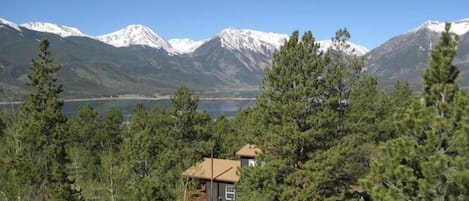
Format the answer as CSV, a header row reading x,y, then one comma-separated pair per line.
x,y
42,158
140,153
10,186
85,150
418,164
291,91
439,80
318,112
458,181
347,120
139,119
112,139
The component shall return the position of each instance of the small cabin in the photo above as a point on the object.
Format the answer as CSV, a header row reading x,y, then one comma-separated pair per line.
x,y
216,178
247,155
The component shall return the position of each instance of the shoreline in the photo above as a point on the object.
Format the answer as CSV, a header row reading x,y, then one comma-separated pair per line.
x,y
138,98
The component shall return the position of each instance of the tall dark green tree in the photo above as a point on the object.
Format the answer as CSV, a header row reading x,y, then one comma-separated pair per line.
x,y
347,119
140,152
439,80
291,90
418,165
318,114
42,158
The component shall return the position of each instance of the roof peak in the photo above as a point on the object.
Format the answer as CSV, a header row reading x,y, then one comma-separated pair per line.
x,y
249,150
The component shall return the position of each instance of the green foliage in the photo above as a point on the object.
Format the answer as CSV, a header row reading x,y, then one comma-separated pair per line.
x,y
439,80
41,156
290,86
424,162
319,115
85,150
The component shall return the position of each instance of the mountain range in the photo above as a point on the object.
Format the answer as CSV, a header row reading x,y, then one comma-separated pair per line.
x,y
136,60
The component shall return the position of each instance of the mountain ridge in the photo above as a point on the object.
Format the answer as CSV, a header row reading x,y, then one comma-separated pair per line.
x,y
232,59
138,34
405,57
459,27
61,30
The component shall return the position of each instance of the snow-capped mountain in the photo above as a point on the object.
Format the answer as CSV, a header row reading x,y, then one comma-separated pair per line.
x,y
459,27
185,45
10,24
233,48
246,39
61,30
136,34
405,57
358,49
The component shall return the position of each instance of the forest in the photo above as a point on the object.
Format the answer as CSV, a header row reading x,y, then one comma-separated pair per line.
x,y
325,130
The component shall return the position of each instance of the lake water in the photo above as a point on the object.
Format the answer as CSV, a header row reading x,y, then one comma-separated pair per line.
x,y
215,108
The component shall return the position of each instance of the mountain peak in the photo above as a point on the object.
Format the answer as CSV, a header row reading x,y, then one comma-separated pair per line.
x,y
135,34
239,39
61,30
10,24
459,27
357,49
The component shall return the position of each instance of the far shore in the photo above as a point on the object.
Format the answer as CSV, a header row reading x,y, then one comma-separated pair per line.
x,y
136,98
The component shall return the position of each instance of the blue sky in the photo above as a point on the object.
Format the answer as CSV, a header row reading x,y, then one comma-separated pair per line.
x,y
371,22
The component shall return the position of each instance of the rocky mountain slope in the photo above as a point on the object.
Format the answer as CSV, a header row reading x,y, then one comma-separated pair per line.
x,y
405,57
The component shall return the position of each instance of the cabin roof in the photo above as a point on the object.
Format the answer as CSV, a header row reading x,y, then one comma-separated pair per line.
x,y
223,170
248,150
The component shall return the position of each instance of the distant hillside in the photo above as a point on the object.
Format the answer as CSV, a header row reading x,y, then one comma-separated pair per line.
x,y
405,57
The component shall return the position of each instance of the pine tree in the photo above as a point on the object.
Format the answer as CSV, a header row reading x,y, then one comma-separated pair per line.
x,y
112,140
439,80
85,150
347,123
9,185
317,122
458,181
42,158
140,153
291,91
418,165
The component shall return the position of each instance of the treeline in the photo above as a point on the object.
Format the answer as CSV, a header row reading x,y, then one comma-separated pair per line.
x,y
325,130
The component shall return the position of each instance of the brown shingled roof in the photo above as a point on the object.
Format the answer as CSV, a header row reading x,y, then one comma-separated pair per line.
x,y
223,170
248,150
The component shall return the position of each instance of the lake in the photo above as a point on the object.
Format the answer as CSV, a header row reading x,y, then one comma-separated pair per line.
x,y
215,108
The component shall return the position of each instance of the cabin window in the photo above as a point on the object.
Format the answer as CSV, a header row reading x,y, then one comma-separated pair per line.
x,y
251,162
230,192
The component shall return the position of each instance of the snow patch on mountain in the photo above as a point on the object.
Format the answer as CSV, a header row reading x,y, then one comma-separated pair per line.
x,y
10,24
357,49
459,27
61,30
245,39
136,34
185,45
